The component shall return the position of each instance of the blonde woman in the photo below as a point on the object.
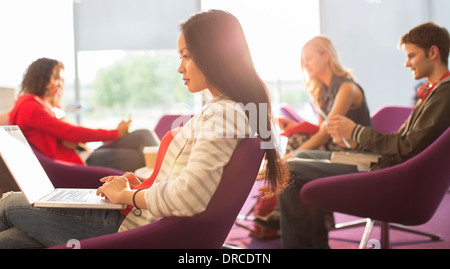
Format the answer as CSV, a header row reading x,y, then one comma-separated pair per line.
x,y
333,92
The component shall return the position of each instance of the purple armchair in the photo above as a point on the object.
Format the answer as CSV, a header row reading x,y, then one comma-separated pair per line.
x,y
288,112
169,122
388,119
405,194
67,175
207,230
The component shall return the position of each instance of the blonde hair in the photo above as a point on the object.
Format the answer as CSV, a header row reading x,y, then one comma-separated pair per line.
x,y
322,44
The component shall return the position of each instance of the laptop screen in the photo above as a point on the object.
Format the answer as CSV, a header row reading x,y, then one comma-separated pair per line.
x,y
23,164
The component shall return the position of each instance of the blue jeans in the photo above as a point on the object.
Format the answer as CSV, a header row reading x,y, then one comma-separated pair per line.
x,y
24,226
301,225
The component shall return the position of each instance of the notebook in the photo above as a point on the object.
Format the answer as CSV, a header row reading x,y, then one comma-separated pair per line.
x,y
33,181
363,160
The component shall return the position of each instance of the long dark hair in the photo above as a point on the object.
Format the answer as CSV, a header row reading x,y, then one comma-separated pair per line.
x,y
218,46
38,75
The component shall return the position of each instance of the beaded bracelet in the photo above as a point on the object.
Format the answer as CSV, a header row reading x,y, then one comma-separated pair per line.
x,y
137,212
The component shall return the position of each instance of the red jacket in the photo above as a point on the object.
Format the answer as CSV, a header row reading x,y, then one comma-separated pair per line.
x,y
45,132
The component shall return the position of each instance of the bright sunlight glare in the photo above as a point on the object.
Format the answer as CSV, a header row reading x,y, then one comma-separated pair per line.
x,y
275,31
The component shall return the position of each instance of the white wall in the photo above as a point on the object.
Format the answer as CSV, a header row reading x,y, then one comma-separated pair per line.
x,y
366,34
30,29
439,12
131,24
7,98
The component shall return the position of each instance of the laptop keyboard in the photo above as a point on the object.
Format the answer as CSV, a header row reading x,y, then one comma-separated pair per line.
x,y
70,196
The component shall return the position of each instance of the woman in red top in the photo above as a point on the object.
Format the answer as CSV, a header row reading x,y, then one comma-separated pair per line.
x,y
57,138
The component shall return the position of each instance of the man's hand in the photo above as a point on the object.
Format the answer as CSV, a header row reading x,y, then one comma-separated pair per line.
x,y
339,128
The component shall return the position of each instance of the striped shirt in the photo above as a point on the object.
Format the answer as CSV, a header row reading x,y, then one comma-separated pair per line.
x,y
193,164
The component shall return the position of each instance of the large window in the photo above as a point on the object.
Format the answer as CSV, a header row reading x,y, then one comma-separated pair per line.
x,y
276,31
115,83
128,62
145,84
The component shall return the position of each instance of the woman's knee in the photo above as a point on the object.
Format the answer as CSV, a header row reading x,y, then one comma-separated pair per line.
x,y
143,137
10,204
143,134
13,199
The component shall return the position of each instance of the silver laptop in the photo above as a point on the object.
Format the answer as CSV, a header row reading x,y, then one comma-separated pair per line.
x,y
33,181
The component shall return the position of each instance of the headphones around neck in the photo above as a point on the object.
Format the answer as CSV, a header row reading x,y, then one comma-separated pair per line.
x,y
425,90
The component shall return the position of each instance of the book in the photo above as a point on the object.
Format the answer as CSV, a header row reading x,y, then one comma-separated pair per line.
x,y
361,159
303,127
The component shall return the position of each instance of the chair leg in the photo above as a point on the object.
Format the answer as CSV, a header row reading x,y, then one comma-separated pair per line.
x,y
351,224
245,217
400,227
367,231
384,235
368,223
385,226
229,246
243,226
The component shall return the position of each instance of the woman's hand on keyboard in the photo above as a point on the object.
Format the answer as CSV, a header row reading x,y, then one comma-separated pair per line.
x,y
115,188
